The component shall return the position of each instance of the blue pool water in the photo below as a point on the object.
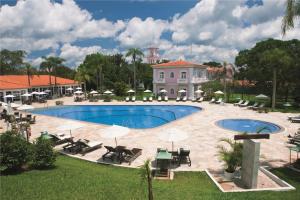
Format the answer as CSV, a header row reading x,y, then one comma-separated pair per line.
x,y
132,116
248,125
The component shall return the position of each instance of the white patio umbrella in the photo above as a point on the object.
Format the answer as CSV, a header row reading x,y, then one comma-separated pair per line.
x,y
199,91
173,135
9,96
261,96
147,91
115,131
93,92
69,89
107,92
78,92
130,91
47,91
78,88
25,107
14,105
70,126
26,95
42,93
219,92
35,92
181,91
163,91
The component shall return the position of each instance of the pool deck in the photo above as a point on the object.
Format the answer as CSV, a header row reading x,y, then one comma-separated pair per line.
x,y
203,134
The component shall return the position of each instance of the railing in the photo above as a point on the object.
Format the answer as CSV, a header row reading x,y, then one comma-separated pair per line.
x,y
160,81
199,80
181,80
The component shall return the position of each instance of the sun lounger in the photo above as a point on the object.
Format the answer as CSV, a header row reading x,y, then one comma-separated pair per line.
x,y
184,98
150,99
86,146
113,152
159,98
144,99
184,157
220,100
32,120
212,100
290,118
59,139
200,99
238,103
178,99
194,99
295,120
127,99
133,99
166,98
259,107
131,155
245,104
254,105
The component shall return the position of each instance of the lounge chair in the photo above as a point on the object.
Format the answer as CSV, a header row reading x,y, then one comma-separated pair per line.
x,y
259,107
32,120
200,99
86,146
144,99
178,99
184,98
213,100
220,100
133,99
290,118
295,120
295,139
194,99
113,152
127,99
131,155
150,99
238,103
59,139
254,105
159,98
166,98
245,104
184,157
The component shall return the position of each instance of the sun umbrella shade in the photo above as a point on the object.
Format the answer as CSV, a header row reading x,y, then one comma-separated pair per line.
x,y
35,92
70,89
163,91
78,88
9,96
262,96
198,91
25,107
107,92
181,91
130,91
219,92
69,126
78,92
93,92
42,93
26,95
173,135
115,131
47,91
147,91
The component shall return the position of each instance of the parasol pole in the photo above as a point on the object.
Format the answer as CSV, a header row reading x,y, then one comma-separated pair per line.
x,y
116,141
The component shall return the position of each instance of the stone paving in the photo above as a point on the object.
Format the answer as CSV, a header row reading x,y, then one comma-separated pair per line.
x,y
203,134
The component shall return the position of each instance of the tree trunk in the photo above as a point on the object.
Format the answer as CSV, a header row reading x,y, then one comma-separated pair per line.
x,y
150,192
28,77
134,81
84,85
287,93
274,88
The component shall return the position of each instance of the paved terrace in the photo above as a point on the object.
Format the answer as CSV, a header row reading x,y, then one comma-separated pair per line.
x,y
203,134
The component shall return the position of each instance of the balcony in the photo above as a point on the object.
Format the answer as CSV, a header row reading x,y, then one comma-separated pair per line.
x,y
199,80
159,81
181,80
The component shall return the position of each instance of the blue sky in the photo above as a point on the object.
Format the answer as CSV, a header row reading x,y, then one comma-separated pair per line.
x,y
194,30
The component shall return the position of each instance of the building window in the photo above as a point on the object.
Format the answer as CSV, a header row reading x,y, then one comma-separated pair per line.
x,y
183,75
161,75
172,75
172,90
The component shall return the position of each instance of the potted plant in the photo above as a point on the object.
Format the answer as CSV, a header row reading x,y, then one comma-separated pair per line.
x,y
232,157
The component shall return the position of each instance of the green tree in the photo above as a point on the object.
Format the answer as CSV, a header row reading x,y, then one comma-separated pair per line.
x,y
291,13
213,64
43,153
82,75
29,72
134,53
146,175
11,60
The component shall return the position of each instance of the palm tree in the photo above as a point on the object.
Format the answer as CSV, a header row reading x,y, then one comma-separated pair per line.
x,y
47,67
82,75
291,13
146,175
134,53
28,72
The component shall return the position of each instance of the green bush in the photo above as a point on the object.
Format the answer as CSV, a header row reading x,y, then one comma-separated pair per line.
x,y
15,151
44,155
120,88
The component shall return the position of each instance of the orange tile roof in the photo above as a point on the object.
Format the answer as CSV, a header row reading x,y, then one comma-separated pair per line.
x,y
21,81
178,63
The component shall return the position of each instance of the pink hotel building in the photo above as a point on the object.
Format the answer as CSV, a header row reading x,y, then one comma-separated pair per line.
x,y
178,75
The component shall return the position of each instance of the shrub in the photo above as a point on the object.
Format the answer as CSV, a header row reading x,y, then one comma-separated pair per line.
x,y
120,88
107,98
43,154
14,150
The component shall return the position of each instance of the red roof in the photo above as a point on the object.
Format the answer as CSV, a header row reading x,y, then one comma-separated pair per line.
x,y
21,81
178,63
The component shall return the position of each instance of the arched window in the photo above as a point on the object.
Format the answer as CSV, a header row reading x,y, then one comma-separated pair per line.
x,y
172,90
172,75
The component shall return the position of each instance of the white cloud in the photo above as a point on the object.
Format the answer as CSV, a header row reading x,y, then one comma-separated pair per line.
x,y
40,24
142,33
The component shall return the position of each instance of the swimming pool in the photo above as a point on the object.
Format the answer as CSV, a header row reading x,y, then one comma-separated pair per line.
x,y
132,116
248,125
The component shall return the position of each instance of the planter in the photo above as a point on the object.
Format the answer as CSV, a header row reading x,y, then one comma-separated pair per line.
x,y
228,176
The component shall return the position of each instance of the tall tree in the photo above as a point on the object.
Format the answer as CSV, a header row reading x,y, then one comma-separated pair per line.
x,y
28,72
291,13
134,53
146,175
11,60
82,75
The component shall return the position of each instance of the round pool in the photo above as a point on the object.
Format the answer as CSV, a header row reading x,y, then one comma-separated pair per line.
x,y
248,125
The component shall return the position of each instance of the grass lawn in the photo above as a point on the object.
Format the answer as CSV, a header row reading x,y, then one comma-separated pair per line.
x,y
77,179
